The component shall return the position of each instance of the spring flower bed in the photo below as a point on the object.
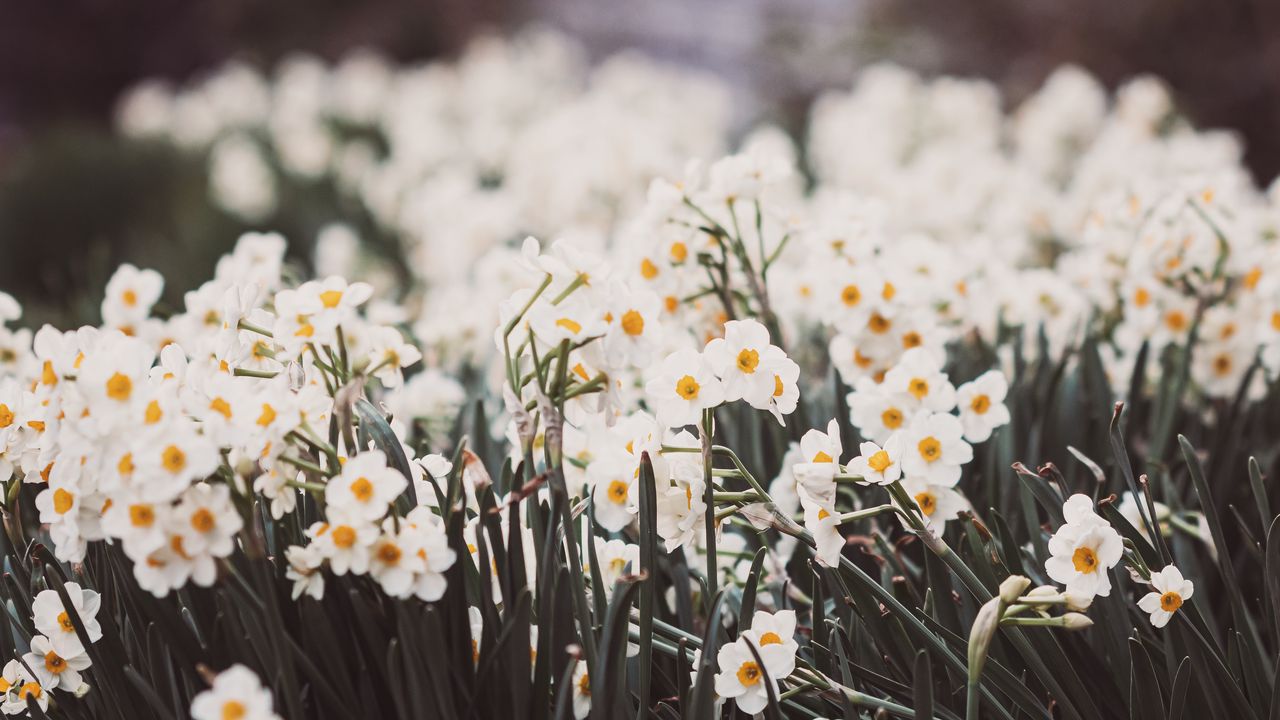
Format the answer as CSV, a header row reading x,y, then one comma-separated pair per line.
x,y
753,435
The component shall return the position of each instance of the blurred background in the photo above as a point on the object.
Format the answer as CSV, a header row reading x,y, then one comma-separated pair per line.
x,y
77,198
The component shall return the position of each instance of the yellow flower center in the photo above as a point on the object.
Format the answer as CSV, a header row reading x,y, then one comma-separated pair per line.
x,y
748,360
62,501
821,456
878,324
130,298
930,449
125,466
1222,364
53,663
918,387
648,270
119,387
618,491
569,324
679,252
584,684
389,553
221,406
1141,297
47,375
1170,601
64,622
6,416
980,404
1085,560
31,689
778,387
770,638
888,291
202,520
911,339
173,459
362,489
632,323
153,413
891,418
1176,320
268,415
850,295
331,298
344,536
1252,277
687,387
233,710
141,515
879,461
749,674
927,501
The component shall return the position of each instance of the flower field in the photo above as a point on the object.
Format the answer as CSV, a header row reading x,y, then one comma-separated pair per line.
x,y
590,404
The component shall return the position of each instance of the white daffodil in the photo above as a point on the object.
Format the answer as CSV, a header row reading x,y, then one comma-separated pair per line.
x,y
740,359
919,380
684,386
344,541
746,680
52,670
635,326
822,522
822,447
877,464
1170,591
982,407
876,412
21,686
770,629
786,386
1083,550
612,483
129,295
236,693
938,503
581,691
54,620
933,449
366,486
615,556
206,520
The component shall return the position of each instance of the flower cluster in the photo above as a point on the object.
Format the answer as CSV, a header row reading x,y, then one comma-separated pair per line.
x,y
57,654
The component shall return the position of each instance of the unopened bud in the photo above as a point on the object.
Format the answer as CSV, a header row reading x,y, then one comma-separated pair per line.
x,y
1076,621
1012,588
984,629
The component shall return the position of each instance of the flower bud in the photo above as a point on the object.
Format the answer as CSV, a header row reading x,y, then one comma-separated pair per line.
x,y
1076,621
984,629
1012,588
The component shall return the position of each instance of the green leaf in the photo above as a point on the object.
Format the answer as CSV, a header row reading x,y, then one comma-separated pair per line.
x,y
1145,698
648,568
703,697
747,608
922,686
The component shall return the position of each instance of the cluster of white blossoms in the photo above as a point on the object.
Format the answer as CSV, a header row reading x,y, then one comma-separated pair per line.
x,y
154,433
935,224
57,654
455,158
1085,549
